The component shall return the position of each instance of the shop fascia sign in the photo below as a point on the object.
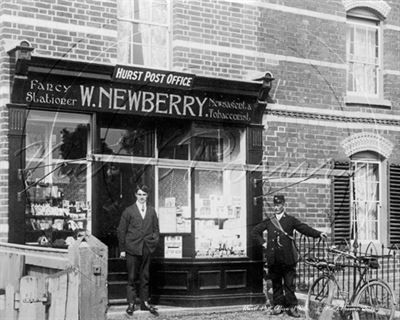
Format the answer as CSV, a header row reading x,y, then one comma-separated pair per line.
x,y
140,99
152,77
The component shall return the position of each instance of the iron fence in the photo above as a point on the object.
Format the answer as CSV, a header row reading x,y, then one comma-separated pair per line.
x,y
388,258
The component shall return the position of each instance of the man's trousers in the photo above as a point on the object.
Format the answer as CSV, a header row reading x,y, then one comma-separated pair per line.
x,y
138,275
283,284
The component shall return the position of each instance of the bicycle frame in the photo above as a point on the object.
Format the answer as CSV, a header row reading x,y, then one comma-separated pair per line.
x,y
362,266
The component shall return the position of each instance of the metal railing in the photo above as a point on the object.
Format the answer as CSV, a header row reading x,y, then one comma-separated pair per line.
x,y
388,258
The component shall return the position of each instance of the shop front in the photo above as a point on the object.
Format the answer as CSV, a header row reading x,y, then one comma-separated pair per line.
x,y
81,136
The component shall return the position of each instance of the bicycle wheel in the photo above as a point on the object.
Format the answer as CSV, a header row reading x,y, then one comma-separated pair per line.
x,y
375,300
321,299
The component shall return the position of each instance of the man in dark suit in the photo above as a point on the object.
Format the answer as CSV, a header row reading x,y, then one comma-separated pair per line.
x,y
138,234
280,258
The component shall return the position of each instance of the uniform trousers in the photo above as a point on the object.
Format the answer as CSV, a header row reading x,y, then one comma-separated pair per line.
x,y
283,284
138,275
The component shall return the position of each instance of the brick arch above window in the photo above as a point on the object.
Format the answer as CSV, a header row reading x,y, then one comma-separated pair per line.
x,y
367,141
380,8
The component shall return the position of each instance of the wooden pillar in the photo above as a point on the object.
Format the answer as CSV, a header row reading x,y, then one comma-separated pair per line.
x,y
16,180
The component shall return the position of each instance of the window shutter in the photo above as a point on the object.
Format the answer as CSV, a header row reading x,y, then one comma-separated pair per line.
x,y
394,203
341,202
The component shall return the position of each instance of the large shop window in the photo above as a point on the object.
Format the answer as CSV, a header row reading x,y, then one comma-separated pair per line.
x,y
220,213
56,177
143,32
198,178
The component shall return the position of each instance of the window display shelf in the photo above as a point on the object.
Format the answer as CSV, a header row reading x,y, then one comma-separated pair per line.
x,y
66,217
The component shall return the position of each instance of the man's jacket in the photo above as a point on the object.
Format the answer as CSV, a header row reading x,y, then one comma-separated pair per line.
x,y
279,246
134,232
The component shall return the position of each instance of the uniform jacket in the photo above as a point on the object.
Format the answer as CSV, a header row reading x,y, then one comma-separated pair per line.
x,y
279,247
134,231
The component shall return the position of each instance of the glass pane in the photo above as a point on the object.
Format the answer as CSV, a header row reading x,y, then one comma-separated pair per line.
x,y
173,200
371,46
126,9
124,135
124,41
361,219
375,79
159,10
370,76
173,141
138,54
360,81
138,35
374,231
145,34
159,36
55,177
55,137
350,41
217,144
134,142
220,214
360,44
373,191
350,78
142,10
159,57
372,214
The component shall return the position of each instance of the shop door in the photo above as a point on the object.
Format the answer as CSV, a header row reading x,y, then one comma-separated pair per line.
x,y
115,192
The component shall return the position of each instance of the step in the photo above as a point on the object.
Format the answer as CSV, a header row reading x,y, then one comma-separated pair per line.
x,y
117,290
117,276
116,264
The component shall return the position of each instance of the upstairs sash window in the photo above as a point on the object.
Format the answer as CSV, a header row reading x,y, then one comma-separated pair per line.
x,y
143,32
363,57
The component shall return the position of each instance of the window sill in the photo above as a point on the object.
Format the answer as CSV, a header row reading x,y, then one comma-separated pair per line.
x,y
368,101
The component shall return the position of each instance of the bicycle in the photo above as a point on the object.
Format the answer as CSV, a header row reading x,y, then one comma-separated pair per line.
x,y
371,298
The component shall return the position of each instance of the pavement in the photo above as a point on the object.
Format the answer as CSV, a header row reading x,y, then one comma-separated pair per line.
x,y
253,312
237,312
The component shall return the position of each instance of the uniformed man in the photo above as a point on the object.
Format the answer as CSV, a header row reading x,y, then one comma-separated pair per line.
x,y
281,260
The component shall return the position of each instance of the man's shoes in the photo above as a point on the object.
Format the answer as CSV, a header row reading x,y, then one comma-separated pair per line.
x,y
293,312
148,307
130,309
276,310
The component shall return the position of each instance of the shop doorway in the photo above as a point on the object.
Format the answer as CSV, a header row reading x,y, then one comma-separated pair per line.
x,y
115,192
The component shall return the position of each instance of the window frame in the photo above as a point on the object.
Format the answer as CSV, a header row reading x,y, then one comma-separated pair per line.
x,y
150,23
50,164
382,215
369,21
243,215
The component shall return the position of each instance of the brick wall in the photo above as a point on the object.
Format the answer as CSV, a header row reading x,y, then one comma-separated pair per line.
x,y
66,29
